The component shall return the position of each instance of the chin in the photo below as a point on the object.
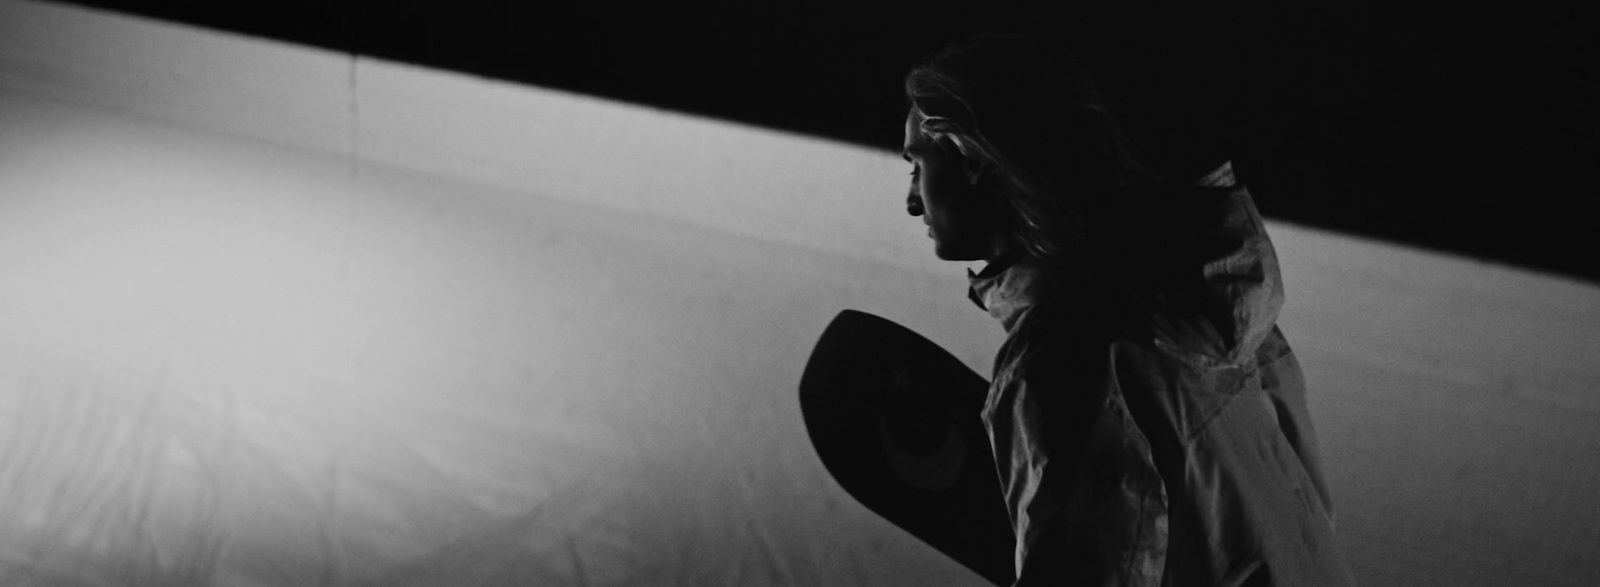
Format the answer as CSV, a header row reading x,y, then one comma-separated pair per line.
x,y
947,255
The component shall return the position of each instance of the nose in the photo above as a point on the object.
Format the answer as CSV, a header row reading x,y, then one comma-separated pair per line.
x,y
913,205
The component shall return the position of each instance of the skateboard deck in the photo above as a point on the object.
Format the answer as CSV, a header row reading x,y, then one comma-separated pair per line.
x,y
896,420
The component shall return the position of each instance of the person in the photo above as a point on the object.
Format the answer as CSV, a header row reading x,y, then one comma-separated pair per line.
x,y
1148,418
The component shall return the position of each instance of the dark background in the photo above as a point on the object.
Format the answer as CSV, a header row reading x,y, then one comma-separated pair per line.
x,y
1472,128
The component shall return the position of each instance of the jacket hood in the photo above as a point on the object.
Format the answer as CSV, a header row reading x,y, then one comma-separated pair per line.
x,y
1192,264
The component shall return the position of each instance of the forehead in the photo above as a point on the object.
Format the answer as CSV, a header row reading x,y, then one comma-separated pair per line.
x,y
914,138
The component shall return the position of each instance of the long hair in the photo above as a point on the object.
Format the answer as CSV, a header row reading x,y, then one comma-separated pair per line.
x,y
1009,104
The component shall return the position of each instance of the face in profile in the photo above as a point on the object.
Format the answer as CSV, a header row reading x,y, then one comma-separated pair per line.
x,y
959,206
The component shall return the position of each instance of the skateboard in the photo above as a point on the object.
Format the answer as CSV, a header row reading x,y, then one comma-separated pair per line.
x,y
896,420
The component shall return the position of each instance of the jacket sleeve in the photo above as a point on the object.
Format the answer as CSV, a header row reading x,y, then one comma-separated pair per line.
x,y
1087,504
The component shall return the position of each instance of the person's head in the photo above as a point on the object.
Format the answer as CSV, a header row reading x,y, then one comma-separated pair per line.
x,y
1012,147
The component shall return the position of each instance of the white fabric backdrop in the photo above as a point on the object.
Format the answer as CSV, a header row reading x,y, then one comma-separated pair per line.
x,y
227,363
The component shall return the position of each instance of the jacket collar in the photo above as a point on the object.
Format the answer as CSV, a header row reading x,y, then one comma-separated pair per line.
x,y
1012,283
1196,259
1197,248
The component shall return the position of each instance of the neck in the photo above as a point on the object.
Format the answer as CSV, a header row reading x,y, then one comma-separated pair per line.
x,y
1001,259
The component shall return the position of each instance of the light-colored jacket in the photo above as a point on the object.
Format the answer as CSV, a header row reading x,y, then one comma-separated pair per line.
x,y
1147,416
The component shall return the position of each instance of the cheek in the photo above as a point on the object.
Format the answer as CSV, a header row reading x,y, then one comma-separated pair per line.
x,y
936,194
946,200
